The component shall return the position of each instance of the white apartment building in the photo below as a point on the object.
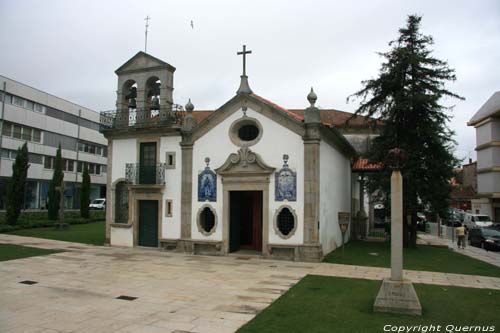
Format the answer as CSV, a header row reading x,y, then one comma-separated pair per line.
x,y
45,121
486,121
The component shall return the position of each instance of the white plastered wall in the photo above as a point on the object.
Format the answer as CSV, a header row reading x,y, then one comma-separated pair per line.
x,y
335,193
171,228
276,140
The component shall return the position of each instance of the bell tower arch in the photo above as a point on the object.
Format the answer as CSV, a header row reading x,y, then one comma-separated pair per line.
x,y
145,86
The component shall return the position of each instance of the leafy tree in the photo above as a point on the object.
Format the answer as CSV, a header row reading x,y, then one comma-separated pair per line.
x,y
16,185
406,97
85,192
54,193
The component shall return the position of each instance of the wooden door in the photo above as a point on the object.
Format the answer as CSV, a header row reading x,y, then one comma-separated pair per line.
x,y
147,163
148,223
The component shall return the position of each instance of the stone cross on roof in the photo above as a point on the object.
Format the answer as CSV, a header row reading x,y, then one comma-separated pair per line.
x,y
244,53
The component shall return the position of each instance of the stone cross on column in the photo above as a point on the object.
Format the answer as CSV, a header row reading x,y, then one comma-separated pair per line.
x,y
397,295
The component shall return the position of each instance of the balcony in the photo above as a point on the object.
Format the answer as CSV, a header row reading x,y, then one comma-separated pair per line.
x,y
139,118
137,174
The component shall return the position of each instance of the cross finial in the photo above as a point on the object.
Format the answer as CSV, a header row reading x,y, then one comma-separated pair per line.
x,y
146,34
244,53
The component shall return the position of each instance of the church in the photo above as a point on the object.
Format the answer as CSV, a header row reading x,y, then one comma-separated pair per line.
x,y
251,177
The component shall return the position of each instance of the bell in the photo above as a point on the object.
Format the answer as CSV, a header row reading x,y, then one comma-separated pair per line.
x,y
132,104
155,103
132,93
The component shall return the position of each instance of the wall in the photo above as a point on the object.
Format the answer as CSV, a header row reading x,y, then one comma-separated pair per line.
x,y
124,151
335,194
488,182
171,227
276,141
122,236
488,157
483,134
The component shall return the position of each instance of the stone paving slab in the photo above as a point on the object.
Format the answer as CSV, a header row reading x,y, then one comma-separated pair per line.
x,y
77,289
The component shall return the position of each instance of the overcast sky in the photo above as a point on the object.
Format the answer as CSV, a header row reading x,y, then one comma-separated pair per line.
x,y
72,48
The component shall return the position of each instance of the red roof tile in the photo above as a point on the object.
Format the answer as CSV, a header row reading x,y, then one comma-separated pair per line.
x,y
362,164
294,115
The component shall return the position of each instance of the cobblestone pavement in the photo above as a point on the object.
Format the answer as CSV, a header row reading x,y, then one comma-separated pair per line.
x,y
471,251
76,290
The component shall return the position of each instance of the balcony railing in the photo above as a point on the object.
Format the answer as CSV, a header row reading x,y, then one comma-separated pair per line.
x,y
122,119
137,174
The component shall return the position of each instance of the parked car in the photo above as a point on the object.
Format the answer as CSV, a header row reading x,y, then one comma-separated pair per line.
x,y
453,221
486,238
421,221
477,220
496,226
98,204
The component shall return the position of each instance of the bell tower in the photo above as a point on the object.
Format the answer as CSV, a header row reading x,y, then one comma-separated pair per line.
x,y
145,87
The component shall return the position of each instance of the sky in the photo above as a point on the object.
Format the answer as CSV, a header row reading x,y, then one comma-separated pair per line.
x,y
72,48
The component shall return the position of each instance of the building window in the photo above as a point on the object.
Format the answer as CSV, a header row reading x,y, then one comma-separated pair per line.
x,y
18,101
168,208
248,132
71,166
245,132
207,220
285,222
37,135
38,107
17,132
7,129
48,162
121,202
30,105
35,158
97,169
26,133
170,160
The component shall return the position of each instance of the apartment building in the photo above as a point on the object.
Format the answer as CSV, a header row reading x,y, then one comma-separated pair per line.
x,y
45,121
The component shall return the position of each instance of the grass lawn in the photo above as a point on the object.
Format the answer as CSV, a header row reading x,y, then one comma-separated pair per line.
x,y
331,304
89,233
422,258
10,252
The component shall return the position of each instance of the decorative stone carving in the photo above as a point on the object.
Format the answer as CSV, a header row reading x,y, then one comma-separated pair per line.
x,y
244,162
207,184
285,183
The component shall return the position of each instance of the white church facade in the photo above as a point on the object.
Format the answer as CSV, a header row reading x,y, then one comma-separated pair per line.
x,y
250,177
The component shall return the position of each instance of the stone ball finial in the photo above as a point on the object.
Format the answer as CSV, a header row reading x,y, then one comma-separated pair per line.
x,y
207,161
396,159
189,106
311,97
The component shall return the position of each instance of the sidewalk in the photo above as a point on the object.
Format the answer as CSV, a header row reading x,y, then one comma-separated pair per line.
x,y
471,251
327,269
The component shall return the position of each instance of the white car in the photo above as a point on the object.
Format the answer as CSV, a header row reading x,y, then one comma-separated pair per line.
x,y
98,204
477,220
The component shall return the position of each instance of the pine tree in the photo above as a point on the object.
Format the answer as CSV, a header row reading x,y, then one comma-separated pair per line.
x,y
16,185
85,193
54,193
406,97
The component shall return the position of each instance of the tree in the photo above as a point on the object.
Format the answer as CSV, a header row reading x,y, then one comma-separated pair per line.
x,y
406,97
85,193
16,185
54,193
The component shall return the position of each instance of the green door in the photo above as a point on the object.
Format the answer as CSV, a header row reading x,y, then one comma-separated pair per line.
x,y
147,163
148,223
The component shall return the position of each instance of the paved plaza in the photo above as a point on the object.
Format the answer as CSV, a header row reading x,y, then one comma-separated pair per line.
x,y
77,290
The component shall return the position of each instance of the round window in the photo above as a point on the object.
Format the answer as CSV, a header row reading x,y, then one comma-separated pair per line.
x,y
248,132
285,221
207,219
245,132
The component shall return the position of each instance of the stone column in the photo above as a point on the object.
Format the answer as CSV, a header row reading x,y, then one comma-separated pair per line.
x,y
396,226
312,251
110,195
397,295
